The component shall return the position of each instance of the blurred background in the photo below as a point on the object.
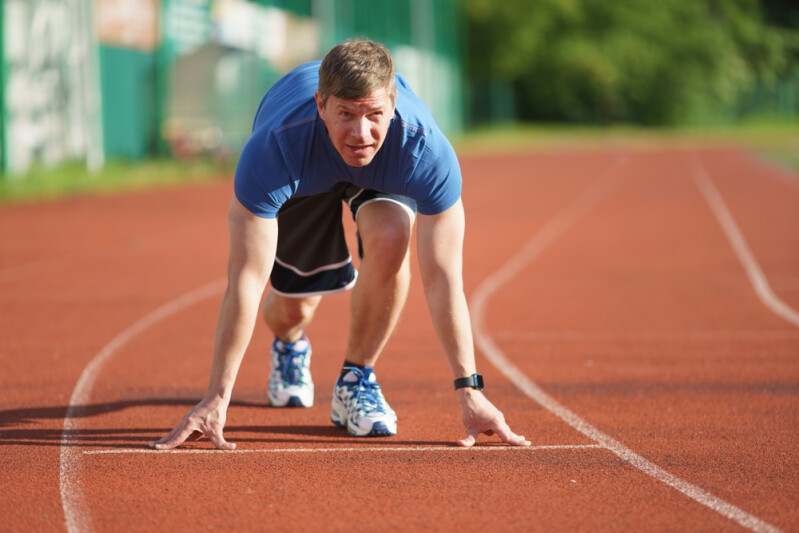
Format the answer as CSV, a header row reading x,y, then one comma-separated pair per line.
x,y
90,84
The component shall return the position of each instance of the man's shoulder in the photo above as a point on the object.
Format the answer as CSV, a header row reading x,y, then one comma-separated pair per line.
x,y
410,107
418,130
415,117
290,100
308,70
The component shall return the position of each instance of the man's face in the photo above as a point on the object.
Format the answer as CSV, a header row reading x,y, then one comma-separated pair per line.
x,y
357,128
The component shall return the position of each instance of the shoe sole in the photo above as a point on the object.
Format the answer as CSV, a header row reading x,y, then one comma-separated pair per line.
x,y
379,429
293,401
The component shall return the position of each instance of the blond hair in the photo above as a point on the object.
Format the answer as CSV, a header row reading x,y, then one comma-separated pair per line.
x,y
355,69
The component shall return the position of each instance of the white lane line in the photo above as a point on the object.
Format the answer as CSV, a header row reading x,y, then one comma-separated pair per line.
x,y
784,172
527,254
76,517
377,449
647,336
738,243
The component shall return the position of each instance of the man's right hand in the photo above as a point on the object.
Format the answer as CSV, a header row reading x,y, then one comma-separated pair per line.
x,y
206,419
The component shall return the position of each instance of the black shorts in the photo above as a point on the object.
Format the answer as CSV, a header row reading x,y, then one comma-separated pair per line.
x,y
312,253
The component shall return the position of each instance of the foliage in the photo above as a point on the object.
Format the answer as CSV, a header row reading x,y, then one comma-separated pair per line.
x,y
652,63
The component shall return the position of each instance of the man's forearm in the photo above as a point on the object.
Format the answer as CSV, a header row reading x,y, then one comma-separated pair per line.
x,y
440,246
450,317
235,326
252,251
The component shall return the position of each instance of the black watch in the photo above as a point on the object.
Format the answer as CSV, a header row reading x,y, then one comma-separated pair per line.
x,y
474,381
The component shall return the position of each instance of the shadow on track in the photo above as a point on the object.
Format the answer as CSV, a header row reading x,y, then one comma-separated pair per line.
x,y
14,432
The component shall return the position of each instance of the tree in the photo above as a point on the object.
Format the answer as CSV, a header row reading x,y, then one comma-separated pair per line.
x,y
628,60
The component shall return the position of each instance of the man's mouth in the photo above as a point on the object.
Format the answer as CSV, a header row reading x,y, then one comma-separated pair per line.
x,y
360,149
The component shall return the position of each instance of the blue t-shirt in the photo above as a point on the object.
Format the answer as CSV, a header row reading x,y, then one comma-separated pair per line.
x,y
290,154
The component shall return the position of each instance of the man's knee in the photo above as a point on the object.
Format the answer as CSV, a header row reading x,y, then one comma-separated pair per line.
x,y
289,310
387,242
385,233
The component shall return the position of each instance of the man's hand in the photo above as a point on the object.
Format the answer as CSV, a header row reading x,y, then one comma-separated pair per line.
x,y
480,416
207,418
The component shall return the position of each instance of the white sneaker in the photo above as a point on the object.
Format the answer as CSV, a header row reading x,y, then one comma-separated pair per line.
x,y
359,405
290,383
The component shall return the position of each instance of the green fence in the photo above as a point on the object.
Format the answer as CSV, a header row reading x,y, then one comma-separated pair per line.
x,y
129,102
776,98
182,78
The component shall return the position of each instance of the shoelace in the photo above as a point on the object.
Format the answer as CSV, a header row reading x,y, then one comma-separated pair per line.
x,y
367,397
291,363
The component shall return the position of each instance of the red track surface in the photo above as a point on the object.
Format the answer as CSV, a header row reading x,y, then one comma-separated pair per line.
x,y
603,276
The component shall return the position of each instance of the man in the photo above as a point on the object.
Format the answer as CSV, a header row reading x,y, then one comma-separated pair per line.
x,y
346,130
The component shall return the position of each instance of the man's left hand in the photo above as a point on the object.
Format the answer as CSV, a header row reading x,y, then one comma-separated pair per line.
x,y
480,416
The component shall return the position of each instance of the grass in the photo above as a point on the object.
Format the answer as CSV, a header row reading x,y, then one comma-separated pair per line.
x,y
775,141
42,184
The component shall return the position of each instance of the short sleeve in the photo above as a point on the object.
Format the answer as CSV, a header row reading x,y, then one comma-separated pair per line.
x,y
262,183
436,182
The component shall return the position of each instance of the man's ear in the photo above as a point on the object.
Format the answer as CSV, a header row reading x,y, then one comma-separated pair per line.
x,y
320,107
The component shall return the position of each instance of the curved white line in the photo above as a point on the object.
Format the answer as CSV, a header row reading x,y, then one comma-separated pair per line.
x,y
76,518
738,243
527,254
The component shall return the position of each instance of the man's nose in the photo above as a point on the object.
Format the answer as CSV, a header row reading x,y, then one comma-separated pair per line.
x,y
360,128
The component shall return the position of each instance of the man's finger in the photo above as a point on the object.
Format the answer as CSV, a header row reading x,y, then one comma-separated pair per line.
x,y
470,438
506,434
221,444
165,438
173,441
216,434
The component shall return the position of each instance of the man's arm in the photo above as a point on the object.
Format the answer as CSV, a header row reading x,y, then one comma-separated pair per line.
x,y
253,241
440,252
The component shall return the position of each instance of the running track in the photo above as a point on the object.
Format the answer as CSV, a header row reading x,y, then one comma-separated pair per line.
x,y
636,312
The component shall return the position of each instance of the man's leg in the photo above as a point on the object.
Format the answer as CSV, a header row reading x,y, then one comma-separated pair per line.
x,y
290,382
288,317
383,279
377,300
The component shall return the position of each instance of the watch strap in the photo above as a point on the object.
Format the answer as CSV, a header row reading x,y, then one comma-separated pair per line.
x,y
474,381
